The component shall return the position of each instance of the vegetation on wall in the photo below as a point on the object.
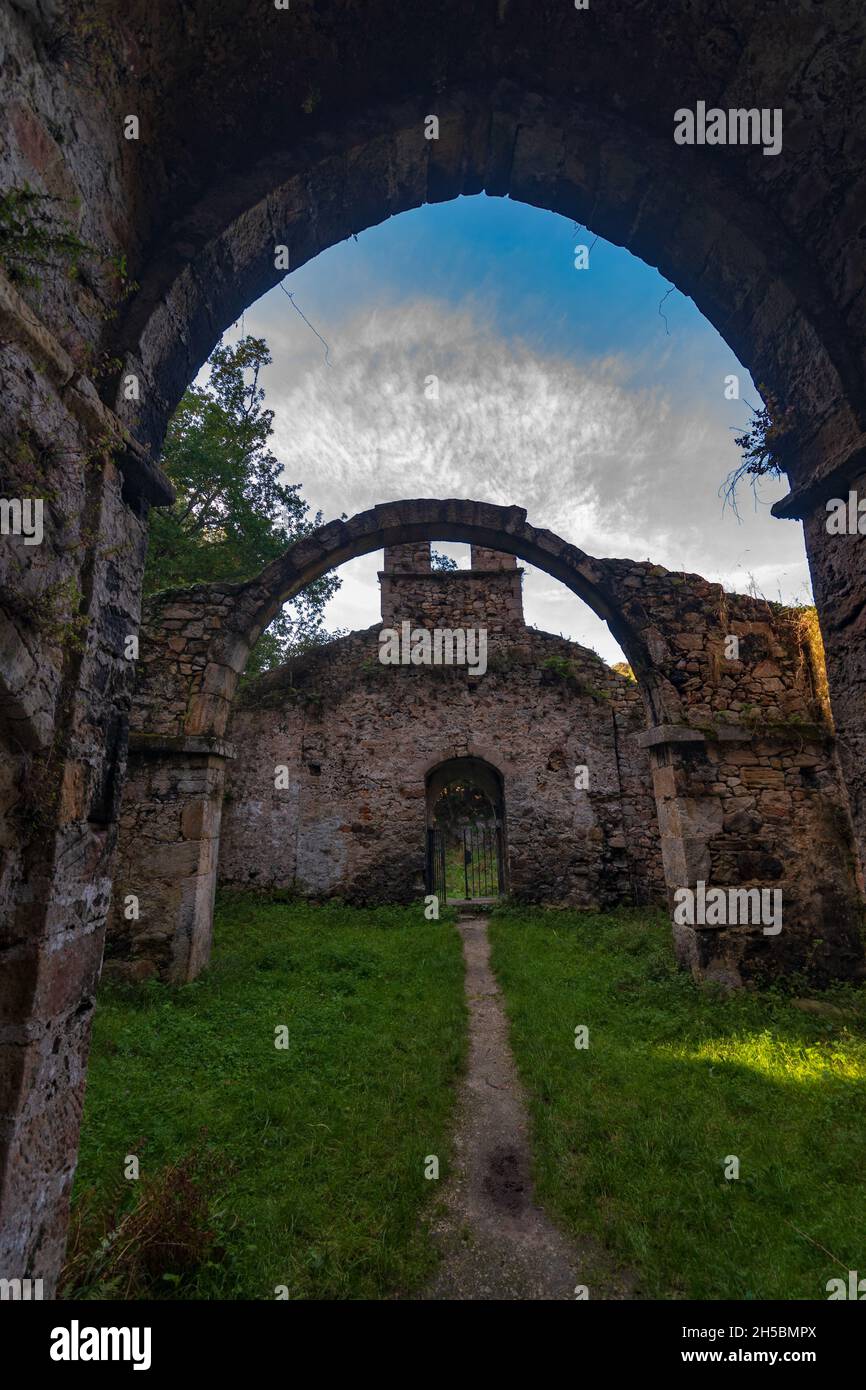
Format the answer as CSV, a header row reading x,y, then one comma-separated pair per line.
x,y
37,239
559,668
812,644
763,445
622,668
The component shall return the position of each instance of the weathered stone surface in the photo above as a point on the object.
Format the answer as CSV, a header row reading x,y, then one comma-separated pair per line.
x,y
731,797
359,739
552,106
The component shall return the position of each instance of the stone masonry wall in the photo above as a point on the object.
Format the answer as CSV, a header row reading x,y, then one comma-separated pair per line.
x,y
771,251
358,738
716,672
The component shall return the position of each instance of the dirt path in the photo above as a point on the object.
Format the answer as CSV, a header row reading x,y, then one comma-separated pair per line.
x,y
494,1241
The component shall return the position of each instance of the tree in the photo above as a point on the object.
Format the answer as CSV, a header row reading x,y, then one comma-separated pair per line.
x,y
438,561
462,803
232,515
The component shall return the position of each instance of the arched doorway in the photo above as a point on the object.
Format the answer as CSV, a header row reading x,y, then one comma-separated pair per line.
x,y
467,860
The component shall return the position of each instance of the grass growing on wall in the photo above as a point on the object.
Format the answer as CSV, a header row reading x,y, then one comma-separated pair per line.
x,y
632,1134
263,1167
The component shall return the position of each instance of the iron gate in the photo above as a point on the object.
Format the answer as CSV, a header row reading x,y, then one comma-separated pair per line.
x,y
465,864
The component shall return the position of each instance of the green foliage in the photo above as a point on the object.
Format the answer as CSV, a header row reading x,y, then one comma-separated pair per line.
x,y
559,668
309,1160
631,1134
233,515
162,1240
763,445
35,239
438,561
461,802
758,445
622,668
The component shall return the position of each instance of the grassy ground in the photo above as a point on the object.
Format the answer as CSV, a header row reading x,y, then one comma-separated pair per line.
x,y
455,873
631,1135
456,878
263,1167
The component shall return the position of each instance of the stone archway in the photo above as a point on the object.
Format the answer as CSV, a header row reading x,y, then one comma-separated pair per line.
x,y
569,110
585,163
741,753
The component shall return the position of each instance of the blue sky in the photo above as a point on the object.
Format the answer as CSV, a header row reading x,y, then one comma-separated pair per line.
x,y
560,390
518,261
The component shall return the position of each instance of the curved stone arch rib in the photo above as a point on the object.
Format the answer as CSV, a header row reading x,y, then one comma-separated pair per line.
x,y
394,523
692,214
496,758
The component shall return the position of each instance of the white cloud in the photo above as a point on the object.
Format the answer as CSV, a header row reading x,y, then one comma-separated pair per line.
x,y
615,468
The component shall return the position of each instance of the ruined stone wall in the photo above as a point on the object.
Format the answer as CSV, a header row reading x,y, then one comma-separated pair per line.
x,y
488,595
770,250
358,737
770,812
714,670
68,604
170,822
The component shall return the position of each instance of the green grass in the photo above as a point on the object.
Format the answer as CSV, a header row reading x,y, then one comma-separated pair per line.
x,y
315,1155
456,877
632,1134
455,873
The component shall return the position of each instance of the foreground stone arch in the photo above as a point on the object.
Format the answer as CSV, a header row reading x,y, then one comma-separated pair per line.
x,y
570,110
631,185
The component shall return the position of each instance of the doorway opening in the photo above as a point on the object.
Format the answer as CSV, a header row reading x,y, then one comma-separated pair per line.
x,y
466,856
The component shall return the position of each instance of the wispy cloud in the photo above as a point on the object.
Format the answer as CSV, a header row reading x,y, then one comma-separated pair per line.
x,y
615,467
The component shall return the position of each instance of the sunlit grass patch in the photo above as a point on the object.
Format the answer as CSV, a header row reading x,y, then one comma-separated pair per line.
x,y
633,1135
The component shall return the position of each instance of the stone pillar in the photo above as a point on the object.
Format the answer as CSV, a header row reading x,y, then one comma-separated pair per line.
x,y
767,812
56,844
165,877
838,567
411,558
69,603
